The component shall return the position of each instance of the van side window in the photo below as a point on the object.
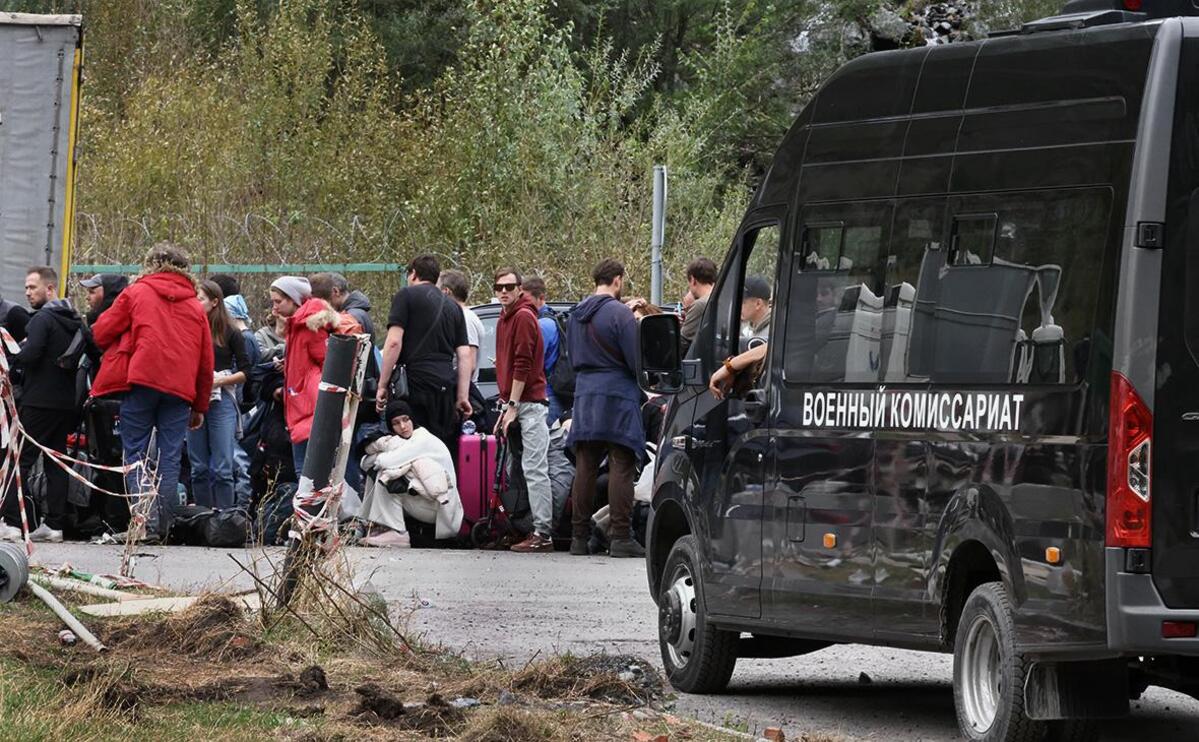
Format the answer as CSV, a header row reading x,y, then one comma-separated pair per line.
x,y
917,248
1015,299
834,314
741,306
757,288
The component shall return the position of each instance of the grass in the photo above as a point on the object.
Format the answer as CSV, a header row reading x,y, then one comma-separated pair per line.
x,y
213,673
36,705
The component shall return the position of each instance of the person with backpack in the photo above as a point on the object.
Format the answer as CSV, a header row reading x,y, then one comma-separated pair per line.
x,y
210,446
551,338
47,409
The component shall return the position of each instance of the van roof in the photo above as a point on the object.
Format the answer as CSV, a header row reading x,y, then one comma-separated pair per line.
x,y
883,83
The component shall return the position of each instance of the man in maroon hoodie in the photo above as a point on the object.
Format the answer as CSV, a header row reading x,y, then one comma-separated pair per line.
x,y
520,373
158,353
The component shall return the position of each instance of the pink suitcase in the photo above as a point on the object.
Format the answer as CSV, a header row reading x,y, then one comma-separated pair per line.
x,y
476,473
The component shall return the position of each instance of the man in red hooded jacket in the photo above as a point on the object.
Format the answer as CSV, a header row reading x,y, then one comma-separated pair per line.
x,y
520,373
158,352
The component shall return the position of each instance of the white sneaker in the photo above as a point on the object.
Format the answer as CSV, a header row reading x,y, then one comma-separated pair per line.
x,y
9,533
46,534
388,539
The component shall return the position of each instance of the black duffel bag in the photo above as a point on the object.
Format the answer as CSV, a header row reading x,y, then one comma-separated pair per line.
x,y
194,525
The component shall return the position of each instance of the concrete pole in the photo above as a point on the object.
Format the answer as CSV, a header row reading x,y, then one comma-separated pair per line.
x,y
659,232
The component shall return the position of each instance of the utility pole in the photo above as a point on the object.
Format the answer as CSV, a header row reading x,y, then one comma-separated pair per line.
x,y
659,230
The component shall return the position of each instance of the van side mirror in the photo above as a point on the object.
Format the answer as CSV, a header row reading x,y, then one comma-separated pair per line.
x,y
659,362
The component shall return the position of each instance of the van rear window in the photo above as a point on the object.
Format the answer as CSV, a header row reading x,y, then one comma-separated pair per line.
x,y
987,289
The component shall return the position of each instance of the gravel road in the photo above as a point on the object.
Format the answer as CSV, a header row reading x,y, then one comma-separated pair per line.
x,y
516,606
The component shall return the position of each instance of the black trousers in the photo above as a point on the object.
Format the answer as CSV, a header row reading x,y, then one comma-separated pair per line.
x,y
50,428
433,409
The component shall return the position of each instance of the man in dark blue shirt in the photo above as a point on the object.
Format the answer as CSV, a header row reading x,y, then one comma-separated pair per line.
x,y
551,340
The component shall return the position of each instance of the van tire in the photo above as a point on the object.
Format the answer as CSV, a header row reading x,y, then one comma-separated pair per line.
x,y
704,662
989,673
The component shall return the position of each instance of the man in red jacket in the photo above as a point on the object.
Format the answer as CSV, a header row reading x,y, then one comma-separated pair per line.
x,y
158,352
520,373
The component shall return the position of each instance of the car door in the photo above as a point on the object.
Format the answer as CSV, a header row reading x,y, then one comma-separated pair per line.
x,y
818,546
729,442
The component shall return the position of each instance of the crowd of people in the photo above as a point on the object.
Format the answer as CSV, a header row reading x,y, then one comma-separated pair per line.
x,y
173,371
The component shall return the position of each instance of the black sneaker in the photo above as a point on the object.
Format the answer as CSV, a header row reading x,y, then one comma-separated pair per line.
x,y
626,548
578,547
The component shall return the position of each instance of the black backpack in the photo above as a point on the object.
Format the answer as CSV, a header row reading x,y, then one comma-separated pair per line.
x,y
562,378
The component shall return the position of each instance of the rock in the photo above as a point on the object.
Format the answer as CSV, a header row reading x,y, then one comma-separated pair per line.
x,y
465,703
887,24
774,734
507,699
626,677
864,679
644,715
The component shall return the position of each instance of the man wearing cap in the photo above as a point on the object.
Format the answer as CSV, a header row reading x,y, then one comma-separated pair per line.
x,y
755,312
102,290
100,414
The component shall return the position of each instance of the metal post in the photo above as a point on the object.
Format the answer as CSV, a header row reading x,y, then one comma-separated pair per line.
x,y
328,451
659,231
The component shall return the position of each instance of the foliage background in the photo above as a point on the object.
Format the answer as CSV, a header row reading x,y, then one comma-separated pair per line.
x,y
486,131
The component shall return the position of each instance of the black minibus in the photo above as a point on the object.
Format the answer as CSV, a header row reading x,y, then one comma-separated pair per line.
x,y
975,427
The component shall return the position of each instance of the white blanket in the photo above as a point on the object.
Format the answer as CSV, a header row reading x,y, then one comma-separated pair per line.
x,y
433,494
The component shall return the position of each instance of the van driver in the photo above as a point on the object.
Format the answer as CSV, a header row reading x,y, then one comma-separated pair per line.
x,y
755,312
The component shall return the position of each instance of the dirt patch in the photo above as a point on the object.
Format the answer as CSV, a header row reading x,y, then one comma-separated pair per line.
x,y
376,703
214,627
215,652
510,725
617,679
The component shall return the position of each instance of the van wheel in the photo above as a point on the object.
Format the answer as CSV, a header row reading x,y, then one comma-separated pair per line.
x,y
988,672
698,657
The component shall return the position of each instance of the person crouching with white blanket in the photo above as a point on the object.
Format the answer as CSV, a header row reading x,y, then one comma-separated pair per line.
x,y
411,474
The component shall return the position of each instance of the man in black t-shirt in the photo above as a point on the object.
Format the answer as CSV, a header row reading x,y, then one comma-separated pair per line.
x,y
425,331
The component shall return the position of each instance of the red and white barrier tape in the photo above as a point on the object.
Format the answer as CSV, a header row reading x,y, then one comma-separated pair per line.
x,y
13,438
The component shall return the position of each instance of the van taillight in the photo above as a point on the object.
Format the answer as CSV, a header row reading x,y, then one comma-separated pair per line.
x,y
1129,445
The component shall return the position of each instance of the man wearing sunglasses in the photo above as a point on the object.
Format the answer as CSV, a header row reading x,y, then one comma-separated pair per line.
x,y
520,373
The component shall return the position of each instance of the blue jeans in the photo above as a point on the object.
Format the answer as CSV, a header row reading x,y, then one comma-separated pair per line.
x,y
210,449
242,493
298,450
554,413
145,411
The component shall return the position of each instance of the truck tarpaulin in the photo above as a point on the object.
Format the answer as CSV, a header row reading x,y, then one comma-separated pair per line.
x,y
40,61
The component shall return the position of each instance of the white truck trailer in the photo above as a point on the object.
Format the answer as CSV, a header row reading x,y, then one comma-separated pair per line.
x,y
40,62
